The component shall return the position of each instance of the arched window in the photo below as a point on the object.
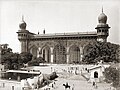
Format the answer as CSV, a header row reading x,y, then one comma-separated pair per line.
x,y
59,54
46,54
74,54
95,74
34,51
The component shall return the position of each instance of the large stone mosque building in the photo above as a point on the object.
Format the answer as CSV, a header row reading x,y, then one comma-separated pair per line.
x,y
61,48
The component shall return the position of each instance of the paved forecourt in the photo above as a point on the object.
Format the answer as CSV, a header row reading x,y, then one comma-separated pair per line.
x,y
79,82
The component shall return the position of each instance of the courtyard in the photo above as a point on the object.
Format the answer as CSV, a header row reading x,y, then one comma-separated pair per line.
x,y
75,81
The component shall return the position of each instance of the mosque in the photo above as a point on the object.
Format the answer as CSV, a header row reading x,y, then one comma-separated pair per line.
x,y
61,48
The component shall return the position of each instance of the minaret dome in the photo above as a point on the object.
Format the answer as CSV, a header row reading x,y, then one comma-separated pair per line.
x,y
22,24
102,18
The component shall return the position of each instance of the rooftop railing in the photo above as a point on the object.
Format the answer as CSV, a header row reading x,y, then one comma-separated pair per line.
x,y
72,33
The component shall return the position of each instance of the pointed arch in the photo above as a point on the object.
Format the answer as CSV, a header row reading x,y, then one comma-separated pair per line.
x,y
34,50
59,52
46,53
74,53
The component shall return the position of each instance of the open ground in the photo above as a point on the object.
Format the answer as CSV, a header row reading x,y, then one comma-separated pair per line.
x,y
75,81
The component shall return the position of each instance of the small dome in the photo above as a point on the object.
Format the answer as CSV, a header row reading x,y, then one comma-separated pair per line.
x,y
102,18
22,25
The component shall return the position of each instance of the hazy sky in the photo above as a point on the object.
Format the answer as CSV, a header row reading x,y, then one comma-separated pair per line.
x,y
56,16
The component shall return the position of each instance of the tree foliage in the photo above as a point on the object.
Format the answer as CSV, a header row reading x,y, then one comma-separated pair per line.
x,y
5,51
25,57
112,76
105,51
14,60
10,60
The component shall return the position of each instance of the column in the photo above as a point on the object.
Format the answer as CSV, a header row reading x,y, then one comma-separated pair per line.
x,y
68,55
81,53
68,58
38,52
51,58
51,48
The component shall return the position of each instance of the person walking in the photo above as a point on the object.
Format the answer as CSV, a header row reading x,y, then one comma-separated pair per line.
x,y
52,86
93,83
73,87
96,86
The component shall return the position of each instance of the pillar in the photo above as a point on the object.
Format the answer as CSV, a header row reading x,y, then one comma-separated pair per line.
x,y
68,55
68,58
51,58
51,48
81,53
38,52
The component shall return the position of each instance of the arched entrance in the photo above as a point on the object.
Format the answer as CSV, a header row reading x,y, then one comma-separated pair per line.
x,y
95,74
46,54
74,54
59,54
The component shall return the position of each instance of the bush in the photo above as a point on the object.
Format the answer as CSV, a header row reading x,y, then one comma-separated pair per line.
x,y
33,63
36,61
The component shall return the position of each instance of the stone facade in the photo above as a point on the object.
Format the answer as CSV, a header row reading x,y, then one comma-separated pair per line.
x,y
61,48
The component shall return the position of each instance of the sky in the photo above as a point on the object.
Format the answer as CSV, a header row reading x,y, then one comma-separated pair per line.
x,y
56,16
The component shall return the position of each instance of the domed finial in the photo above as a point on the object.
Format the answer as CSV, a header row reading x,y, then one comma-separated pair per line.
x,y
102,9
44,31
23,18
38,32
22,25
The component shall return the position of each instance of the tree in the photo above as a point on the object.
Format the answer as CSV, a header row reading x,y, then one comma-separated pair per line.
x,y
105,51
112,76
25,57
4,49
6,54
10,60
13,60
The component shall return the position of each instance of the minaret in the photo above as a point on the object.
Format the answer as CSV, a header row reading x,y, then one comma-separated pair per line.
x,y
44,31
102,28
23,35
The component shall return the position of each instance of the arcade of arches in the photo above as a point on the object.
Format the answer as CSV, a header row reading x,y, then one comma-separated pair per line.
x,y
59,53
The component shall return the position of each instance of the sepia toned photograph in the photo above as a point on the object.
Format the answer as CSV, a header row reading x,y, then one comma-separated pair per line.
x,y
59,45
